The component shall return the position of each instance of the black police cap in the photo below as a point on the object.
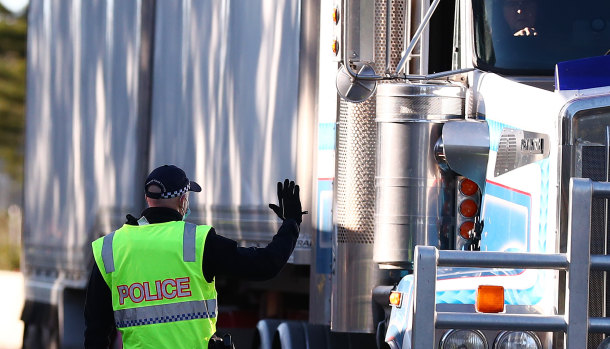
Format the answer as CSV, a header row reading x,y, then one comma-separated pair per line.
x,y
171,180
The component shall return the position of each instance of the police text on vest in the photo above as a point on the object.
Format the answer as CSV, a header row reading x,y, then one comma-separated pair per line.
x,y
166,289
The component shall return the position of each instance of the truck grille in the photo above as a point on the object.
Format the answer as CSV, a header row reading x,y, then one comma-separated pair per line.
x,y
585,143
595,169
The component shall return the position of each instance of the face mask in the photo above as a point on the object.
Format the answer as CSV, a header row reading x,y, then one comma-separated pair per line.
x,y
188,209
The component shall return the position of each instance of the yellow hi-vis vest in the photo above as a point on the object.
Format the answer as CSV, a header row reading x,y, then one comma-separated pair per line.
x,y
159,295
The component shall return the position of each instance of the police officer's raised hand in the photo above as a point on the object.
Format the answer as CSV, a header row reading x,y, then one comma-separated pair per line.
x,y
289,202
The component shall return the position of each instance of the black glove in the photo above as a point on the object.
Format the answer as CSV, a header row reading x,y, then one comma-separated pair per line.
x,y
289,202
131,220
226,342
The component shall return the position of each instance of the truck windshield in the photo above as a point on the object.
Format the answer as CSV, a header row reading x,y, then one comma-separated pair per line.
x,y
528,37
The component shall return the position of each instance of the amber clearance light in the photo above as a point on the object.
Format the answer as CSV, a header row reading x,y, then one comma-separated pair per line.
x,y
335,47
490,299
395,298
336,15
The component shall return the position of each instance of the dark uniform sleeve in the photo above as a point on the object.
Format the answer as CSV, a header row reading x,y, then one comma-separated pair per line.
x,y
222,256
99,317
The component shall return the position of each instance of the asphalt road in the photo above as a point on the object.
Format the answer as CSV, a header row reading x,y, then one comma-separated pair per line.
x,y
11,304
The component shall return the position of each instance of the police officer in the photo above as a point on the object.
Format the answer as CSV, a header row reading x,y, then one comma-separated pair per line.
x,y
153,279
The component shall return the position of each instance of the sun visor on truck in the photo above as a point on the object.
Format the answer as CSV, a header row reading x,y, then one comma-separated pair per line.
x,y
582,74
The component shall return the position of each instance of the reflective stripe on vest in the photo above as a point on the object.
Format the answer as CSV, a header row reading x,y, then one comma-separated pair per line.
x,y
189,247
107,257
188,242
156,314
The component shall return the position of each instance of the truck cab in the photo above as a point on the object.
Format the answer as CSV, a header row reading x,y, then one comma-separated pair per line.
x,y
536,113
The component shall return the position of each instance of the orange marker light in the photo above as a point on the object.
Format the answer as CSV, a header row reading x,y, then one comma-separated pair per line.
x,y
468,187
336,15
335,46
395,298
468,208
465,229
490,299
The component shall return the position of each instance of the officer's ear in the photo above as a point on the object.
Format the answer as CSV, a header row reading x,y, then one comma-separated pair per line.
x,y
184,202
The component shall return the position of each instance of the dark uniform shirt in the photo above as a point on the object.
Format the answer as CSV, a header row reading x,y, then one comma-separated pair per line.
x,y
221,257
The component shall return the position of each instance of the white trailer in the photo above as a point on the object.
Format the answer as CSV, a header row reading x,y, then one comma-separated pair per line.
x,y
116,88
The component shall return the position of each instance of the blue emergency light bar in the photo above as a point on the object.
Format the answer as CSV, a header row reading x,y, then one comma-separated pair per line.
x,y
583,73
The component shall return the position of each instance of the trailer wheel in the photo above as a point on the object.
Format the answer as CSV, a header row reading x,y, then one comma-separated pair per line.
x,y
41,325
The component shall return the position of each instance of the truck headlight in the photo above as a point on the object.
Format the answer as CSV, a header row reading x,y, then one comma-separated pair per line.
x,y
517,340
463,339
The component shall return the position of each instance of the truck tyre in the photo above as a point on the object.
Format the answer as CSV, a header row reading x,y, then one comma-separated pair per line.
x,y
263,337
290,335
380,335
